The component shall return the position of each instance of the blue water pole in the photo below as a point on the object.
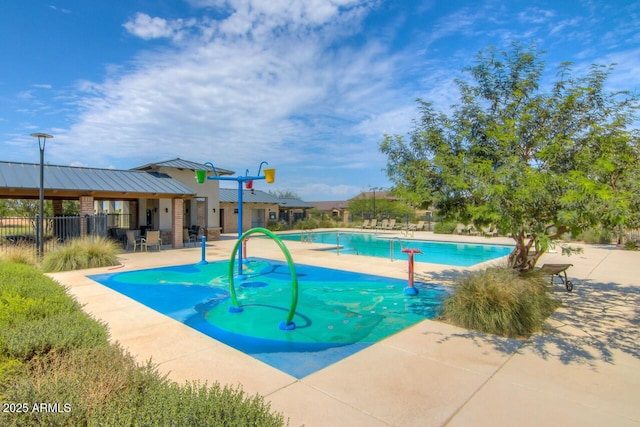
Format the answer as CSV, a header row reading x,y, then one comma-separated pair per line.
x,y
203,260
240,194
241,180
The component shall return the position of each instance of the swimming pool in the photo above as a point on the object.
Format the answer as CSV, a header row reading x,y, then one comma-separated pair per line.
x,y
371,244
338,312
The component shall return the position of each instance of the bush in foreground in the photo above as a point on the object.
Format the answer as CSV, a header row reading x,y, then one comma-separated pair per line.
x,y
500,301
53,353
81,253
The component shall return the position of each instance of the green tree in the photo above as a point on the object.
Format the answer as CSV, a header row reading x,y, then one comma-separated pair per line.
x,y
363,207
284,194
535,164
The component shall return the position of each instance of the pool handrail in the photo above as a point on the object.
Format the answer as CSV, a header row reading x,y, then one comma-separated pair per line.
x,y
287,324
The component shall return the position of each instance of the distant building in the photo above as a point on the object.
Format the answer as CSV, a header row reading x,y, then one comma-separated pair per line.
x,y
337,210
259,208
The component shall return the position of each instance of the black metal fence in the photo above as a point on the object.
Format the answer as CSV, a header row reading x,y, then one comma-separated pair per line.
x,y
58,229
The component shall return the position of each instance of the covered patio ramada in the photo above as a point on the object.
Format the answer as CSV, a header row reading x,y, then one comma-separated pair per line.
x,y
148,197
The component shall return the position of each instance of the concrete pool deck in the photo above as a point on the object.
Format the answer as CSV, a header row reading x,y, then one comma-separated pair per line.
x,y
582,369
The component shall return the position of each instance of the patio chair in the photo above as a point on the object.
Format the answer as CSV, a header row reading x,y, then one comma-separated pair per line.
x,y
133,241
391,225
152,239
372,223
365,224
188,238
383,224
194,232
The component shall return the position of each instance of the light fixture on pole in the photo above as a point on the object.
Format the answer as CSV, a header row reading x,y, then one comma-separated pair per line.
x,y
42,140
374,199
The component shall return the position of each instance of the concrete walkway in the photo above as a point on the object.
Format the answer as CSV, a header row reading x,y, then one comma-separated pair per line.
x,y
583,369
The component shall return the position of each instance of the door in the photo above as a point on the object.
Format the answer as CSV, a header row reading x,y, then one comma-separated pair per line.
x,y
257,218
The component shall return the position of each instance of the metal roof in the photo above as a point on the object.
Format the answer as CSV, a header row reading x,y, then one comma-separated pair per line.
x,y
330,205
293,203
230,195
24,178
179,163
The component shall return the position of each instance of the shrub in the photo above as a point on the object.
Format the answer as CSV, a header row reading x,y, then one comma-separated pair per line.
x,y
20,254
596,236
167,403
27,295
444,227
77,254
53,352
54,333
500,301
630,245
276,225
87,379
306,224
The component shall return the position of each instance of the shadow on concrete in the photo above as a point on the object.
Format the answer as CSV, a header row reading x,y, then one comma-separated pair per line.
x,y
444,277
483,340
595,321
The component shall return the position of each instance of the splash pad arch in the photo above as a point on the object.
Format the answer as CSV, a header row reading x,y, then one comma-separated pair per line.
x,y
287,324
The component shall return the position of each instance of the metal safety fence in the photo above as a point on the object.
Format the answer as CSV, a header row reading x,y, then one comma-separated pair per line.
x,y
23,231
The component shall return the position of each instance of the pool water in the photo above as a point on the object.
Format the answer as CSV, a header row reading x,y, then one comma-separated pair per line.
x,y
338,312
371,244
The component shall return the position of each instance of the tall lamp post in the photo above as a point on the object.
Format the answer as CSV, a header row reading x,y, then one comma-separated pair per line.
x,y
42,140
374,199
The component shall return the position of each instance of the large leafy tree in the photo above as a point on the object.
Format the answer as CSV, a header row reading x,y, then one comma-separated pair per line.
x,y
536,164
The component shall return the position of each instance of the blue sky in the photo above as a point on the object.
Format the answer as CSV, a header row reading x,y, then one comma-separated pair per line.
x,y
310,86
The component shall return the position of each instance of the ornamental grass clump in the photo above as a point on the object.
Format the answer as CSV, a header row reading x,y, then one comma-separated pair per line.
x,y
20,254
78,254
500,301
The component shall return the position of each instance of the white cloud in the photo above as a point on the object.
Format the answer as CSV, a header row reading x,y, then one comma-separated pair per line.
x,y
237,100
146,27
536,15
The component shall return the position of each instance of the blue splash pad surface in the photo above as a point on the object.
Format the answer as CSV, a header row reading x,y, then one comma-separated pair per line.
x,y
338,312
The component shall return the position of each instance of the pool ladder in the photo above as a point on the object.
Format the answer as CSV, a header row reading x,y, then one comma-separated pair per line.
x,y
392,247
306,236
347,236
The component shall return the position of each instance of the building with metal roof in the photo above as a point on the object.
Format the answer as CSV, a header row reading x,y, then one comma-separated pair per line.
x,y
179,163
259,208
22,181
162,196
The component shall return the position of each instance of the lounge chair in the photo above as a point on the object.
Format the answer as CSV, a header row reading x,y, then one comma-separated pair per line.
x,y
383,224
391,225
372,223
365,224
418,226
152,239
557,270
490,231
